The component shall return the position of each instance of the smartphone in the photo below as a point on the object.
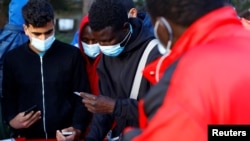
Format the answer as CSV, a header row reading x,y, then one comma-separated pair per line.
x,y
32,108
67,133
77,93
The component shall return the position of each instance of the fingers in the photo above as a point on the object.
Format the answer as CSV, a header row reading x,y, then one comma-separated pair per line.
x,y
88,96
61,137
68,129
21,121
34,118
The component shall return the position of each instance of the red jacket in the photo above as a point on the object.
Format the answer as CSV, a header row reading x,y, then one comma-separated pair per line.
x,y
206,81
91,64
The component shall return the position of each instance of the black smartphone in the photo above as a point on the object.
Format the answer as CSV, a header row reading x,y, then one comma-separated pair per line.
x,y
32,108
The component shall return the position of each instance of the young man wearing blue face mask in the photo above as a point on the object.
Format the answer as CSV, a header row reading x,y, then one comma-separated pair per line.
x,y
44,72
91,53
122,43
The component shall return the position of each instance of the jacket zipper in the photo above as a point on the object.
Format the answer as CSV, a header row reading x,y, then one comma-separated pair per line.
x,y
44,120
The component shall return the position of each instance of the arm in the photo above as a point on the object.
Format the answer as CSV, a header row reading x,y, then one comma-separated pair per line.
x,y
10,104
175,120
16,119
99,127
121,108
126,109
171,122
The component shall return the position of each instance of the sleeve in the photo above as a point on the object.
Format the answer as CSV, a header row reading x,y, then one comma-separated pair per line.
x,y
99,127
126,109
173,122
10,100
183,114
82,116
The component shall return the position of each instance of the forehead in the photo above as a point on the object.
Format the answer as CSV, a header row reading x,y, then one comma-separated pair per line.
x,y
86,30
45,28
87,33
105,34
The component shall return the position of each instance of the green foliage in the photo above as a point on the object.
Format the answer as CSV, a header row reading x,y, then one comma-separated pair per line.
x,y
241,5
139,4
60,6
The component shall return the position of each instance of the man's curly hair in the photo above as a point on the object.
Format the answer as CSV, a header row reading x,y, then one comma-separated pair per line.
x,y
37,13
104,13
182,12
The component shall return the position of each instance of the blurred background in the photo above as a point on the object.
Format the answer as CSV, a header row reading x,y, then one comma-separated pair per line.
x,y
68,14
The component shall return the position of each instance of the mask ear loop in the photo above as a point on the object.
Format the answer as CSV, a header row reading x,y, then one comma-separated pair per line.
x,y
128,36
157,77
170,32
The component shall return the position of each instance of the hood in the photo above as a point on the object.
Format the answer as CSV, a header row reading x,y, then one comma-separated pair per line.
x,y
140,35
83,23
144,16
15,12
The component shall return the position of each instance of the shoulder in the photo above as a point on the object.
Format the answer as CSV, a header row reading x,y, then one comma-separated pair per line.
x,y
18,49
65,46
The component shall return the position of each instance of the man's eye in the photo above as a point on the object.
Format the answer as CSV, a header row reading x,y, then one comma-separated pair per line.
x,y
49,32
37,34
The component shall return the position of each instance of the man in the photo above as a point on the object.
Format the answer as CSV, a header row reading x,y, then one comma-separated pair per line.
x,y
206,75
44,72
90,52
122,42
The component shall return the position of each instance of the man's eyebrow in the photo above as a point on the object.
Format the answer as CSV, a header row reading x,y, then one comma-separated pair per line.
x,y
47,32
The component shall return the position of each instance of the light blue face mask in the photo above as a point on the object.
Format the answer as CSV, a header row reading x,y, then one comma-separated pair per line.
x,y
115,50
42,45
91,50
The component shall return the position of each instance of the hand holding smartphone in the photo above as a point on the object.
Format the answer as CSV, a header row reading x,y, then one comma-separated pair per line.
x,y
32,108
65,133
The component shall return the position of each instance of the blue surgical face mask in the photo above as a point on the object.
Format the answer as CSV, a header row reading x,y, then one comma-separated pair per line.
x,y
115,50
91,50
164,50
42,45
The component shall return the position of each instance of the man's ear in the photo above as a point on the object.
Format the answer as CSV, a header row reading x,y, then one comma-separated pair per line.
x,y
25,28
132,13
162,31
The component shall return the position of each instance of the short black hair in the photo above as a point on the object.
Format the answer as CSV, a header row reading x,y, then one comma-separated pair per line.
x,y
182,12
104,13
37,13
245,14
